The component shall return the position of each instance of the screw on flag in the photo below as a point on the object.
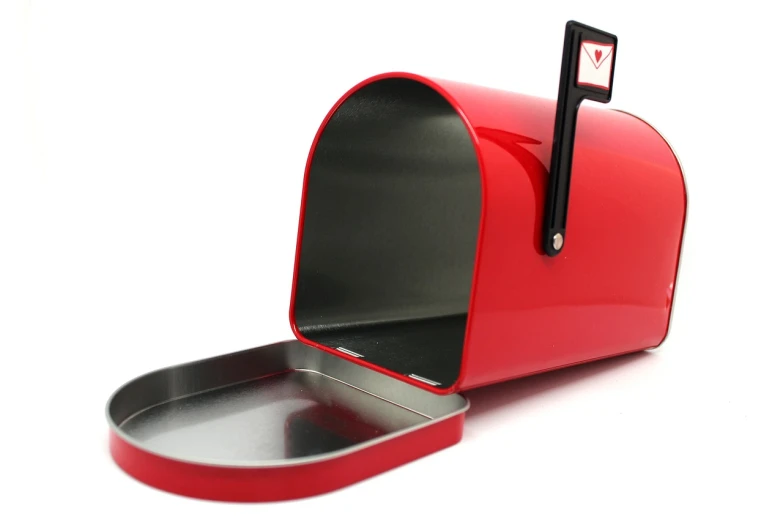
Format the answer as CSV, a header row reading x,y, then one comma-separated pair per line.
x,y
595,65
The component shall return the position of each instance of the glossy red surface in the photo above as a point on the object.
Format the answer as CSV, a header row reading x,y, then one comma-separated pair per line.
x,y
248,484
610,291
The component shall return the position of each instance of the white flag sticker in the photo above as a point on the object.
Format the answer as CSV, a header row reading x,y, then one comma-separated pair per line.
x,y
595,65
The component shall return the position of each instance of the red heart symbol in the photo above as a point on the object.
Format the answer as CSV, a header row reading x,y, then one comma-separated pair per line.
x,y
598,55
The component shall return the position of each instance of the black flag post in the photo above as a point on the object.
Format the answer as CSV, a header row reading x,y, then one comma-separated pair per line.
x,y
587,72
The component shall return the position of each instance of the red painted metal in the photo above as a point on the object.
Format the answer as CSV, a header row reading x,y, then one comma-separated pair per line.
x,y
249,484
610,291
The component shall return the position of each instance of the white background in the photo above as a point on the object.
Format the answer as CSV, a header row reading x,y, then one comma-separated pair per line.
x,y
151,159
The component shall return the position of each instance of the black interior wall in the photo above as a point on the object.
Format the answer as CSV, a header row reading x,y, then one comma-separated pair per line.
x,y
391,221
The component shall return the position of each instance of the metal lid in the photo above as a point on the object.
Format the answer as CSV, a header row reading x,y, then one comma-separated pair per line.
x,y
272,423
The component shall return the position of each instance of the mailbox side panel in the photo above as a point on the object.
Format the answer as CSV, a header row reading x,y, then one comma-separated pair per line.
x,y
611,289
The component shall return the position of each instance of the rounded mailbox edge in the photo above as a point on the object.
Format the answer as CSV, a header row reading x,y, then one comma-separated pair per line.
x,y
684,217
261,484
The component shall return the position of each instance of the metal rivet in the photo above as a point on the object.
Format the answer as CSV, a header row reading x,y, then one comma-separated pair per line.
x,y
557,241
422,379
349,352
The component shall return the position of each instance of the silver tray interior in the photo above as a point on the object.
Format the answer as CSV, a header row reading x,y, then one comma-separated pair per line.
x,y
275,405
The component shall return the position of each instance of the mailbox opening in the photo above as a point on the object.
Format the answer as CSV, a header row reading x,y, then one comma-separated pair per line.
x,y
388,245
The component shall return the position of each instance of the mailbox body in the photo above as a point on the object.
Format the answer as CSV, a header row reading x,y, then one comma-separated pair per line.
x,y
419,272
609,292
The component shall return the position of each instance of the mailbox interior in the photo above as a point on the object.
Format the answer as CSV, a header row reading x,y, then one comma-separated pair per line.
x,y
390,225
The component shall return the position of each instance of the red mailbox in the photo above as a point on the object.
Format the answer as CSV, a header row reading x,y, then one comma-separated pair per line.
x,y
432,258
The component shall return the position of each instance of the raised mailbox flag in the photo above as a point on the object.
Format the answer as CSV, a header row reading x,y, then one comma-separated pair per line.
x,y
585,74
